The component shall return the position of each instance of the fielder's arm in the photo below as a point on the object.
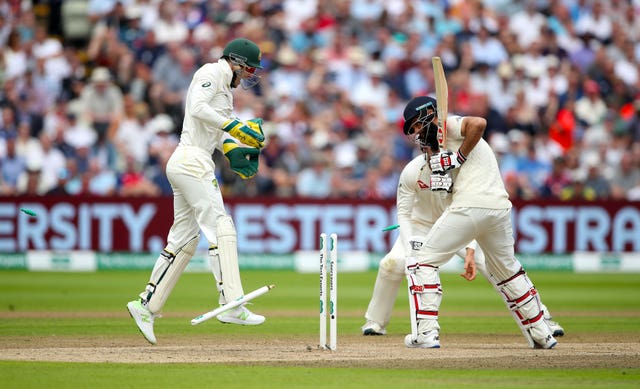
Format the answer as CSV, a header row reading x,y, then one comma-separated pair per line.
x,y
469,265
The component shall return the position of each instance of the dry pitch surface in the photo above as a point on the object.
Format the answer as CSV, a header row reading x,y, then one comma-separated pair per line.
x,y
354,350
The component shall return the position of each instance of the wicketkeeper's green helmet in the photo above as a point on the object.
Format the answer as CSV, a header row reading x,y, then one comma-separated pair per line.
x,y
243,52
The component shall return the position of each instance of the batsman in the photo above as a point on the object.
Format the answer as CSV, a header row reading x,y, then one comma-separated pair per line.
x,y
418,208
480,210
198,205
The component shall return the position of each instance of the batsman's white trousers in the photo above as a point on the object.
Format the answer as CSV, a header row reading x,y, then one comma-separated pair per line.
x,y
491,228
197,200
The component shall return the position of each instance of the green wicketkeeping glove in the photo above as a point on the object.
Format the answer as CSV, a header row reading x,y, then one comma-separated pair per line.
x,y
243,160
249,133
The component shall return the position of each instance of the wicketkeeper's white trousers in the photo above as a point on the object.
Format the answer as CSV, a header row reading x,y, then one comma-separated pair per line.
x,y
197,200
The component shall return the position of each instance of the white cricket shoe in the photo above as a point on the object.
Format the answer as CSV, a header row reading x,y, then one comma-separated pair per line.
x,y
542,336
143,318
373,328
241,315
555,327
429,339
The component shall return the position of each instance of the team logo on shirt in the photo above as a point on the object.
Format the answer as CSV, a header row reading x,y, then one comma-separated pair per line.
x,y
206,84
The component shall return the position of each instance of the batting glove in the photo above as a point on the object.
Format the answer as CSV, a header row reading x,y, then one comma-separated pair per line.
x,y
242,160
441,182
446,160
249,133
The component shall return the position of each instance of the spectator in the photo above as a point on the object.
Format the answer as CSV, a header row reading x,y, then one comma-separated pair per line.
x,y
577,189
169,28
53,161
100,181
591,108
78,134
487,49
315,180
30,182
133,182
163,140
625,177
134,131
12,164
13,57
48,53
557,181
388,176
372,90
595,180
102,101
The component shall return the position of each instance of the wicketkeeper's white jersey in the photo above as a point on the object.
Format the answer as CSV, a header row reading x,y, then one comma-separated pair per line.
x,y
415,202
477,184
202,125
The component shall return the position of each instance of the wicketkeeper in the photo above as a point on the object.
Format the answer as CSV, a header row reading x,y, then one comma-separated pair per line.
x,y
198,205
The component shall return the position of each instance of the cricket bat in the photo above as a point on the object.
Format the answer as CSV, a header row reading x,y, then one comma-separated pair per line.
x,y
442,97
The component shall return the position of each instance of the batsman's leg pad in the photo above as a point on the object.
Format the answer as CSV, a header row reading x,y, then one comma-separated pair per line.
x,y
229,284
426,292
523,299
511,306
385,290
165,275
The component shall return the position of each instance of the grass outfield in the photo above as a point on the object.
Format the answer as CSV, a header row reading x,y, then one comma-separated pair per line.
x,y
66,312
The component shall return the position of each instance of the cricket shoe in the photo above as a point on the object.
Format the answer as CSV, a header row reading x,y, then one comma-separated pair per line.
x,y
542,336
429,339
143,318
555,327
241,315
373,328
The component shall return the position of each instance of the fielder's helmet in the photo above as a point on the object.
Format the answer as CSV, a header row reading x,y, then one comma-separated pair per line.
x,y
243,52
416,107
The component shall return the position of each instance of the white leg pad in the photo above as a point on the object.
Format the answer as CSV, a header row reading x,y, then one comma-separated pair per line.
x,y
523,299
424,289
481,267
385,290
214,261
426,292
520,293
165,275
229,284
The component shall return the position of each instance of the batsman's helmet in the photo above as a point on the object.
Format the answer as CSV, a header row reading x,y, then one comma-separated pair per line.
x,y
243,52
417,108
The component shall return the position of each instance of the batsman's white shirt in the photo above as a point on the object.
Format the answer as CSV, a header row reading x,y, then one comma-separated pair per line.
x,y
479,184
197,198
480,209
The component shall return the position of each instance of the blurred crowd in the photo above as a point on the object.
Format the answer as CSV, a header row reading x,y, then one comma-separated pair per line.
x,y
92,101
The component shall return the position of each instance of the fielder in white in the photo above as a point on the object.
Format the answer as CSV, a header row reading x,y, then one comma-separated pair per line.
x,y
197,201
418,208
480,210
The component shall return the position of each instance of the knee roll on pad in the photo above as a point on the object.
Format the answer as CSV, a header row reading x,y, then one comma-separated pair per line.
x,y
165,274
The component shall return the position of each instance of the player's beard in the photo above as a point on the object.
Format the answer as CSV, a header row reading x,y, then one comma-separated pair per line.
x,y
428,137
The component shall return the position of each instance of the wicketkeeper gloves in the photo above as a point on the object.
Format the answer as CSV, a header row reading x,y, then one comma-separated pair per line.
x,y
243,160
249,133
